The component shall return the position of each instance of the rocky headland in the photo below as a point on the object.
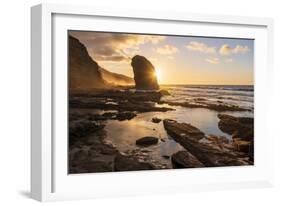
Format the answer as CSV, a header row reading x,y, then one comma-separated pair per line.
x,y
97,96
83,70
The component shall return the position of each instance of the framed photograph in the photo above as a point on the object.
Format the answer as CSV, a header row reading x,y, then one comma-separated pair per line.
x,y
138,102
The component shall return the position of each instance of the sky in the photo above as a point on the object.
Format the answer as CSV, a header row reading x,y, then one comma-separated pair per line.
x,y
177,59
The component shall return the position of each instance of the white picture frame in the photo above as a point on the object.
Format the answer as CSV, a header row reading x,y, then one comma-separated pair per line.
x,y
50,181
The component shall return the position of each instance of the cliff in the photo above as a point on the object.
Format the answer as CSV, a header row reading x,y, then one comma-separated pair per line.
x,y
83,70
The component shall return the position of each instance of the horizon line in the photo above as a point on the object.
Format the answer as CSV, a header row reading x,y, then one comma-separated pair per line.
x,y
207,84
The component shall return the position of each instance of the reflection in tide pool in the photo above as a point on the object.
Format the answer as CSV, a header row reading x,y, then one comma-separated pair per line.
x,y
123,134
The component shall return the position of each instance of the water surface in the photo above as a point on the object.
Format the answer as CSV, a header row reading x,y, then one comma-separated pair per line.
x,y
123,134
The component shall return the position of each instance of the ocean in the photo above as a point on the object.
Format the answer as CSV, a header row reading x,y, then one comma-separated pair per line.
x,y
238,95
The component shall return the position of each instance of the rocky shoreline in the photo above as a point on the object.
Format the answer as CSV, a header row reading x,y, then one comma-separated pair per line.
x,y
208,152
92,153
104,105
124,100
219,106
89,150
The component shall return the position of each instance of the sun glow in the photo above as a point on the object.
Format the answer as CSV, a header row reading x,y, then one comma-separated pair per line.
x,y
158,74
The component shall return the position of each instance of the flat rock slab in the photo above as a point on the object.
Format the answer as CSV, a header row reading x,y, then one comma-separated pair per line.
x,y
147,141
182,129
188,136
184,159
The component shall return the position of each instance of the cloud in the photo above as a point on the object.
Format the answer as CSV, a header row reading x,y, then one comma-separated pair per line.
x,y
200,47
114,46
238,49
153,39
167,49
229,60
117,58
212,60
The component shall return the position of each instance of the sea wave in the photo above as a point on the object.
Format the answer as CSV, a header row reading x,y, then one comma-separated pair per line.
x,y
249,88
242,96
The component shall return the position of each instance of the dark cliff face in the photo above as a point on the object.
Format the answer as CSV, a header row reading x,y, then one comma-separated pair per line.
x,y
83,70
144,73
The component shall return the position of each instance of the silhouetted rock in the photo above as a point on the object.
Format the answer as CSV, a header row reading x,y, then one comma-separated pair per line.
x,y
238,127
95,166
119,104
110,115
125,116
183,159
122,94
147,141
81,128
91,155
166,156
164,92
156,120
251,151
126,163
83,70
144,74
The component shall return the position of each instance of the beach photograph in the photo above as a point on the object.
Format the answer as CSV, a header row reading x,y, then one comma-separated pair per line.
x,y
152,102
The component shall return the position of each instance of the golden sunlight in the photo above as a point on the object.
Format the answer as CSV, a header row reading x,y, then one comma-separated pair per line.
x,y
158,74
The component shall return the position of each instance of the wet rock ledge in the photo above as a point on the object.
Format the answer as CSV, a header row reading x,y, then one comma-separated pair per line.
x,y
219,106
120,100
184,159
202,150
90,152
242,131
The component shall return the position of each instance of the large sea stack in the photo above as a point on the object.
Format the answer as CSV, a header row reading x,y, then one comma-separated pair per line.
x,y
83,70
144,74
